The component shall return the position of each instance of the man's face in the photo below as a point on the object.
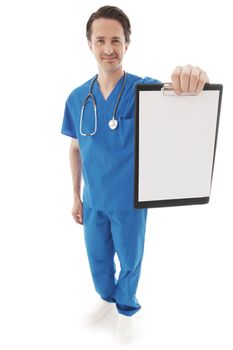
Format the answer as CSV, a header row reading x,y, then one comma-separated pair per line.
x,y
108,43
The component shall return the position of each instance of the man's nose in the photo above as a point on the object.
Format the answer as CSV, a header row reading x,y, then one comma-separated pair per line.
x,y
108,49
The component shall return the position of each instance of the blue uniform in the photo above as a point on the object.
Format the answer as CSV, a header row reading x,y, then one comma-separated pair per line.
x,y
111,223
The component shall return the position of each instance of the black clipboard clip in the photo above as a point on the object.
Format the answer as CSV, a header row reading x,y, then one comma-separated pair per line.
x,y
168,90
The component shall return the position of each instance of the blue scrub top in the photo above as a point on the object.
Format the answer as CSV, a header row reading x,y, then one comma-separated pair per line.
x,y
108,156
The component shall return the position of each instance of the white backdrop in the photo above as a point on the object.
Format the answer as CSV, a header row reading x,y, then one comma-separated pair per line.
x,y
186,284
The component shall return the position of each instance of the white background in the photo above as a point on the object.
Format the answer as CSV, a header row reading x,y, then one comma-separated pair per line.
x,y
186,283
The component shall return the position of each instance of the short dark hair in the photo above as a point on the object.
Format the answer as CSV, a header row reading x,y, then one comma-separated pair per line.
x,y
111,12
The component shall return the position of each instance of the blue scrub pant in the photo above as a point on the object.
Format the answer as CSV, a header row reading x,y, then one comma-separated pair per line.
x,y
123,233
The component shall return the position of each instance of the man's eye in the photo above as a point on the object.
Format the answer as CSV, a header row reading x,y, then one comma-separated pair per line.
x,y
100,41
116,41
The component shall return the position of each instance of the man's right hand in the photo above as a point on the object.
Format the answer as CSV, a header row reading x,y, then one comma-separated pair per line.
x,y
77,211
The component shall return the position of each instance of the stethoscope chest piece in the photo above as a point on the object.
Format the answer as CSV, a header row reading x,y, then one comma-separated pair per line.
x,y
113,124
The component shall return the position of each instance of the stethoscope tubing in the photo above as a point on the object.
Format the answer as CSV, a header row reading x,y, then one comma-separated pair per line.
x,y
91,96
87,99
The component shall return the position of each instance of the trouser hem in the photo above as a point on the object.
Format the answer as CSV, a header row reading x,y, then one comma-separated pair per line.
x,y
127,312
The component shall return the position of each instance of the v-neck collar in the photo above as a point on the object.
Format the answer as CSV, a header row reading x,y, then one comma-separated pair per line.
x,y
116,90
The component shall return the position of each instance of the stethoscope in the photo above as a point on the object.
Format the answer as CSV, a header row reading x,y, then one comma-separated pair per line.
x,y
90,97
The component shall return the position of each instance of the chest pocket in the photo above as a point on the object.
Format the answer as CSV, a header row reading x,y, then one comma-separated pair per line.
x,y
126,132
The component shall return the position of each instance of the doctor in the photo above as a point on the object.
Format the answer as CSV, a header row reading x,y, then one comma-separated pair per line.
x,y
99,118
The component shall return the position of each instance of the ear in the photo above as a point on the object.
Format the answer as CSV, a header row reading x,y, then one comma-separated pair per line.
x,y
89,44
126,46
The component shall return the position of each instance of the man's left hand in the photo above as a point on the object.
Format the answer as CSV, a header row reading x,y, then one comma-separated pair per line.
x,y
188,79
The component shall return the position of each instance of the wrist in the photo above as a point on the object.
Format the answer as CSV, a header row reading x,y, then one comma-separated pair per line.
x,y
77,197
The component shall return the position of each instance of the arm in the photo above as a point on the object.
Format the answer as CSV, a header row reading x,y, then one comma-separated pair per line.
x,y
76,172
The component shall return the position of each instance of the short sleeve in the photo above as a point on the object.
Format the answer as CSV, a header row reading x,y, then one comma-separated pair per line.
x,y
148,80
68,126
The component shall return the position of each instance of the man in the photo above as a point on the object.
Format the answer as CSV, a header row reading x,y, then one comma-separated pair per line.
x,y
102,149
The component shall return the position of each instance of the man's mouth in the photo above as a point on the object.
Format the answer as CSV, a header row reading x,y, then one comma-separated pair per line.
x,y
109,58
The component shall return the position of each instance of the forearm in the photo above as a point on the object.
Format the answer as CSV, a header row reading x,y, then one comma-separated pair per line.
x,y
76,171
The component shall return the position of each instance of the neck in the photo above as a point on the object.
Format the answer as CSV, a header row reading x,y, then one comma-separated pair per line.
x,y
107,80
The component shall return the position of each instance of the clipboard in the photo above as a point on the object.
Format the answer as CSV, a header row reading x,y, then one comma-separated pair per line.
x,y
175,145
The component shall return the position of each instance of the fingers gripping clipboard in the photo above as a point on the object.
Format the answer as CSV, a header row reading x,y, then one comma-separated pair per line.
x,y
175,145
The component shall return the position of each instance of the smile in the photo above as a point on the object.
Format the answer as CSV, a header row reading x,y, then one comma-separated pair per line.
x,y
109,58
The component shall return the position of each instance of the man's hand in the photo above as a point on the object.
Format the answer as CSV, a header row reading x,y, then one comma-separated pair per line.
x,y
77,211
188,79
